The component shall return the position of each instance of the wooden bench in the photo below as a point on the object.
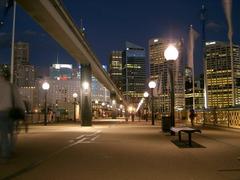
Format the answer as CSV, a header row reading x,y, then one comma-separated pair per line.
x,y
187,130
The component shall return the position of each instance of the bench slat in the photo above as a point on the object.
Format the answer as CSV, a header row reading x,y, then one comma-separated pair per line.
x,y
187,130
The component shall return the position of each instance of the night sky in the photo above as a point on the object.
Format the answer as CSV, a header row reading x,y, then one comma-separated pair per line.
x,y
110,23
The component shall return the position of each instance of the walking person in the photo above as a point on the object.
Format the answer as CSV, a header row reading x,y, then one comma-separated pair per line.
x,y
192,116
9,95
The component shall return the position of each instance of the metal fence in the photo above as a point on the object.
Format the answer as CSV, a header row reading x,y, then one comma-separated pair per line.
x,y
36,118
227,117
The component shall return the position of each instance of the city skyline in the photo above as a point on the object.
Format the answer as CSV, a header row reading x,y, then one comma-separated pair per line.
x,y
107,28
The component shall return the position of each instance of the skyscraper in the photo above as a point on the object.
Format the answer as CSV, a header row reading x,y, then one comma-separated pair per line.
x,y
223,86
25,75
134,72
159,73
115,68
24,72
21,53
199,100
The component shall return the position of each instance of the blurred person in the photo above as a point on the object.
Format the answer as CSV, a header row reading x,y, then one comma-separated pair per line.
x,y
192,116
126,116
26,119
50,116
132,116
8,124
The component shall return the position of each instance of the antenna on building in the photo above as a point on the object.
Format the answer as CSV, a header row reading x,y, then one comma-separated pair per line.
x,y
57,58
203,21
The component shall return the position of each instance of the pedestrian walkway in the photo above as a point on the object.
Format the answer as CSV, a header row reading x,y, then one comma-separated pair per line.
x,y
120,150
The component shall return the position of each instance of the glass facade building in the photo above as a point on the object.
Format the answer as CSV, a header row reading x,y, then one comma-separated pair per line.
x,y
134,73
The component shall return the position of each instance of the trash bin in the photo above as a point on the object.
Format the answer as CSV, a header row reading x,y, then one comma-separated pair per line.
x,y
166,123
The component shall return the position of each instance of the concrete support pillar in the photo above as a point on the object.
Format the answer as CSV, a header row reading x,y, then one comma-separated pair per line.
x,y
86,95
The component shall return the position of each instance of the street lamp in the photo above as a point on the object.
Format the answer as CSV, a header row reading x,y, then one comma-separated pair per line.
x,y
171,54
152,85
75,95
114,112
45,87
85,86
145,95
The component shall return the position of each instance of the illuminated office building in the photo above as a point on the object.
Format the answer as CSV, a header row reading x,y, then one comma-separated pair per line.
x,y
61,71
24,72
199,100
159,73
25,76
64,81
223,77
115,68
60,93
21,53
134,73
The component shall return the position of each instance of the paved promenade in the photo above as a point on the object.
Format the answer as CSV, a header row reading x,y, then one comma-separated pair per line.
x,y
116,150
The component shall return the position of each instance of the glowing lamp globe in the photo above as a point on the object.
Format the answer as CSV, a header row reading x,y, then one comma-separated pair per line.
x,y
45,86
75,95
85,85
171,53
152,84
145,94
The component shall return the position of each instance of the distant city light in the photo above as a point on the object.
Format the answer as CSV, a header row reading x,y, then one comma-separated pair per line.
x,y
59,66
104,67
75,95
145,94
155,40
85,85
140,104
130,109
210,43
45,86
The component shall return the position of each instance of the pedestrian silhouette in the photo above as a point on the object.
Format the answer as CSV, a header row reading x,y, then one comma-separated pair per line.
x,y
192,116
9,105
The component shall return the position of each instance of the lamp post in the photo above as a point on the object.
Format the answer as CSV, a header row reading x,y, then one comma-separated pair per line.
x,y
95,111
75,95
121,109
86,102
152,85
45,87
145,95
171,54
114,113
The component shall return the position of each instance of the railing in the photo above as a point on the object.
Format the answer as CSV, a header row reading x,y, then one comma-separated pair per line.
x,y
36,118
227,117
